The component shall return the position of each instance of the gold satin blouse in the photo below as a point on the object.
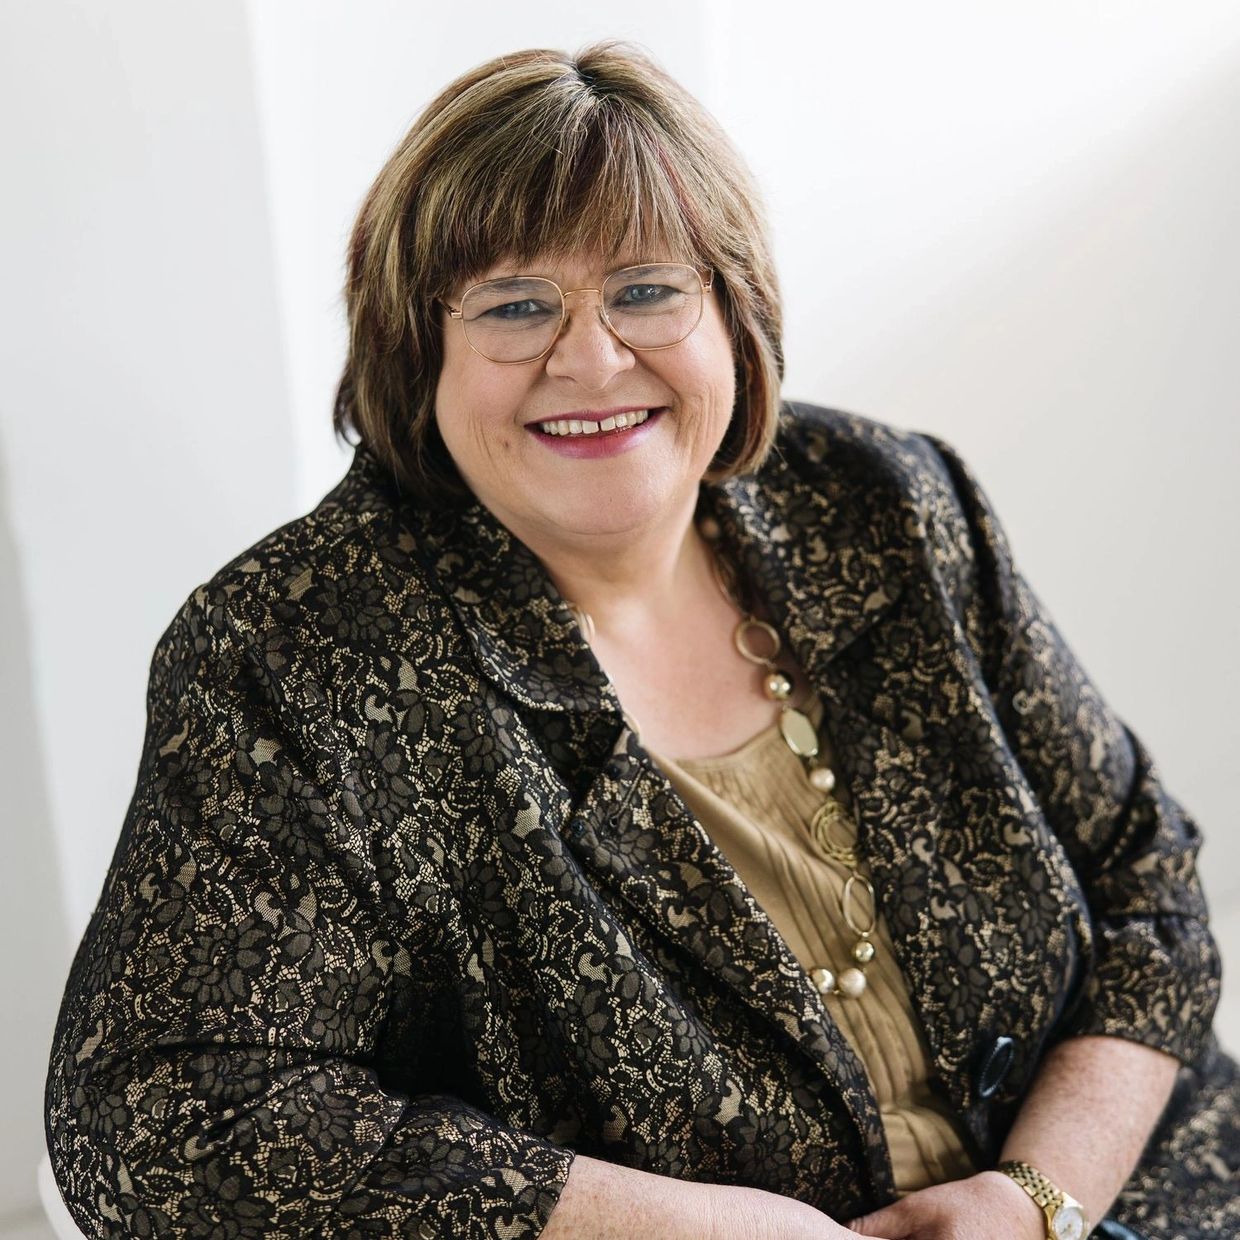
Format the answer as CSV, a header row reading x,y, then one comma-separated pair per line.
x,y
756,804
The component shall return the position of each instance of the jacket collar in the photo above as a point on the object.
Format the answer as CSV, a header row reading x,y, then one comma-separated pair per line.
x,y
522,632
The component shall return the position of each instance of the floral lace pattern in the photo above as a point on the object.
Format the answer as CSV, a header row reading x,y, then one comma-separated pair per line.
x,y
402,916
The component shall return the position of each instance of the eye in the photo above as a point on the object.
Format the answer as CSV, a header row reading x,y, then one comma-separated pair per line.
x,y
516,311
634,295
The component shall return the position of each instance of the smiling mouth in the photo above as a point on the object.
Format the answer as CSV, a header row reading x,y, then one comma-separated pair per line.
x,y
577,429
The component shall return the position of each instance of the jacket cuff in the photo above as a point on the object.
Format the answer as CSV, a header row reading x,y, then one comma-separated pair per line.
x,y
465,1174
1155,981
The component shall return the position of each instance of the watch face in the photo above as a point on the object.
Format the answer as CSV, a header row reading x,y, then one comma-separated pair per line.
x,y
1069,1223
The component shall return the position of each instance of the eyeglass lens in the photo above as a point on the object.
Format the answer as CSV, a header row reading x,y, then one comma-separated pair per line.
x,y
648,307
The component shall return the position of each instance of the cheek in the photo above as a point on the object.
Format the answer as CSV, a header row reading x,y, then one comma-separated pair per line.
x,y
475,409
717,382
715,357
503,442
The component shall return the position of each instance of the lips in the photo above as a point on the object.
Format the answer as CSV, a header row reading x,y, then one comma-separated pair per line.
x,y
560,437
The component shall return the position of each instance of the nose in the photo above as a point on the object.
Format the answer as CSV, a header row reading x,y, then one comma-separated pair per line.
x,y
586,349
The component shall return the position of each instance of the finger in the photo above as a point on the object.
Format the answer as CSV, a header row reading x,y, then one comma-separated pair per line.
x,y
880,1223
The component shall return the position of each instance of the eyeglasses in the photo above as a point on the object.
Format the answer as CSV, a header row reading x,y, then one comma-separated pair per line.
x,y
519,318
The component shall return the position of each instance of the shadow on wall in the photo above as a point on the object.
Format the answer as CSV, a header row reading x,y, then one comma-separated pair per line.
x,y
32,918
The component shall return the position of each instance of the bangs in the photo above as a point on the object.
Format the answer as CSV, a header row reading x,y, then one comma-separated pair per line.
x,y
597,178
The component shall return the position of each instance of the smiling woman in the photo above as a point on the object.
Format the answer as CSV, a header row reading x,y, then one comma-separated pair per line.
x,y
880,913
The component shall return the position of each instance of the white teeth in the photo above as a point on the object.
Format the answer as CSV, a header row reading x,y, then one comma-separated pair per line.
x,y
574,426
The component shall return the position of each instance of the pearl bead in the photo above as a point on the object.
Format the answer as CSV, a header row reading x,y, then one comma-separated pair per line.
x,y
822,778
778,687
709,528
863,951
823,979
852,982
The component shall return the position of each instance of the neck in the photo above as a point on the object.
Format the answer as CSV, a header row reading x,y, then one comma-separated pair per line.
x,y
635,583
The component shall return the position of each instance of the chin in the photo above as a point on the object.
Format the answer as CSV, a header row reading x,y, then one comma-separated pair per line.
x,y
599,515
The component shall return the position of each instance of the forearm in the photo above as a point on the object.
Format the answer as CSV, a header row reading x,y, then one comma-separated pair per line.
x,y
1091,1109
605,1201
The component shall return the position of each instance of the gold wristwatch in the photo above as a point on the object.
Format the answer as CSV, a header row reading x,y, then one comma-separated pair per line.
x,y
1065,1216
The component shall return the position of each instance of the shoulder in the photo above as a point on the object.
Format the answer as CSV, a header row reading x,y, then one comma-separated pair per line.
x,y
906,490
328,568
889,462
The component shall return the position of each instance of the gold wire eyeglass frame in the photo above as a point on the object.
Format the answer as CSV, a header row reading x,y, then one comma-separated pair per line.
x,y
705,275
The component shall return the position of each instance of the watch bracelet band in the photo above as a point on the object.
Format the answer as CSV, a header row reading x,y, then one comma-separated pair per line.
x,y
1041,1188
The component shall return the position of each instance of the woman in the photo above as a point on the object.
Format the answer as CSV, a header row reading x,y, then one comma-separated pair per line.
x,y
625,800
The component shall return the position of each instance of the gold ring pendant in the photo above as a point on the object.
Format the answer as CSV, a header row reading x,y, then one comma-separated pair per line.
x,y
846,901
769,631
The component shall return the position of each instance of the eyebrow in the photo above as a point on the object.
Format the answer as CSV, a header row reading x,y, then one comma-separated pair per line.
x,y
619,265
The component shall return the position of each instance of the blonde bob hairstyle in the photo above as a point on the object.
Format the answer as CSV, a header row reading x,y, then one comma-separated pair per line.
x,y
533,155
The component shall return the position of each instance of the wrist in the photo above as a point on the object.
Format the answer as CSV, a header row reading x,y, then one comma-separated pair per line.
x,y
1028,1221
757,1214
1064,1217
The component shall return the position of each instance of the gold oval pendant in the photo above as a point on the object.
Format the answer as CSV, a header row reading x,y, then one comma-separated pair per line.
x,y
846,904
799,733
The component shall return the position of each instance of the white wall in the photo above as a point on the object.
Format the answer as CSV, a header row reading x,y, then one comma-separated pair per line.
x,y
1013,225
144,438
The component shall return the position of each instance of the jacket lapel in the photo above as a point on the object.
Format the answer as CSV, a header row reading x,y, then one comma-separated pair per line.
x,y
831,557
641,842
524,636
816,552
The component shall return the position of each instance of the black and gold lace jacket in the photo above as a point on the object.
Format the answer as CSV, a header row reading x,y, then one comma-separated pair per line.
x,y
402,915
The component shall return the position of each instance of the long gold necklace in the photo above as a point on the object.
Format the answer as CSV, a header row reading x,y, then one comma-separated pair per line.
x,y
801,737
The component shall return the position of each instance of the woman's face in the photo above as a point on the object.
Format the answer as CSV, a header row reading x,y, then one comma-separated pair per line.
x,y
548,488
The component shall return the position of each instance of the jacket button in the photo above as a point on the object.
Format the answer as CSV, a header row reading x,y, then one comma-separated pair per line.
x,y
993,1064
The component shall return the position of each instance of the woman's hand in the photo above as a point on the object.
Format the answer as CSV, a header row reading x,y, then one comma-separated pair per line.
x,y
980,1207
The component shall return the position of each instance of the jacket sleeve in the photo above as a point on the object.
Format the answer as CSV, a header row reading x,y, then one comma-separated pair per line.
x,y
216,1062
1155,969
